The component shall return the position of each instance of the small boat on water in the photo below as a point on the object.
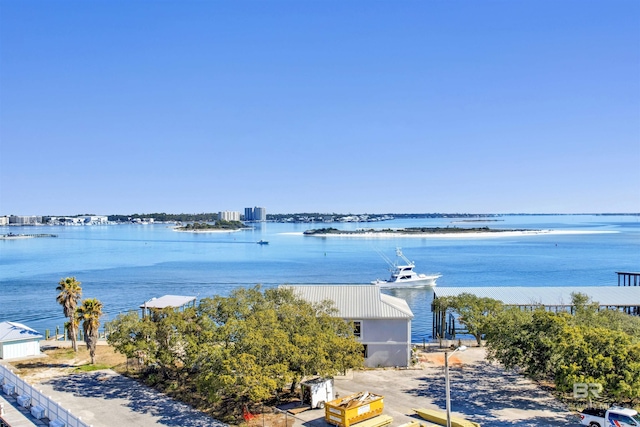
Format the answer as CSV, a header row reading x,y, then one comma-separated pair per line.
x,y
263,242
403,275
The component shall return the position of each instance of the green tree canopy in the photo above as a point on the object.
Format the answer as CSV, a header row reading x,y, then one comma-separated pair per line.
x,y
287,334
132,336
526,340
246,347
473,311
590,346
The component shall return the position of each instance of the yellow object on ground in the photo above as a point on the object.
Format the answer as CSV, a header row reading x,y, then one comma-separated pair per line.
x,y
413,424
440,417
353,409
379,421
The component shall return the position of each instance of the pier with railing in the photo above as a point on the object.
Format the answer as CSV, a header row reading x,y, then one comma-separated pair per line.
x,y
628,279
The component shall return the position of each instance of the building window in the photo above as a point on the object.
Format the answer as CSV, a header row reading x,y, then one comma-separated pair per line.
x,y
357,329
365,351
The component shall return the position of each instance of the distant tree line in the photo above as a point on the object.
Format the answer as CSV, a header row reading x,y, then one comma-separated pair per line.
x,y
410,230
165,217
217,225
287,216
443,215
210,217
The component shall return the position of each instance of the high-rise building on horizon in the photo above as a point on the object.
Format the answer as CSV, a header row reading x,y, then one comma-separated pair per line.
x,y
255,214
25,220
229,215
259,214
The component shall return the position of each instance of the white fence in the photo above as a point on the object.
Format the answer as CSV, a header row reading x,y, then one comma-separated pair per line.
x,y
41,406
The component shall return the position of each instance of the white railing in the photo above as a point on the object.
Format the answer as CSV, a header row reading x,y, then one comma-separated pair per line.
x,y
34,399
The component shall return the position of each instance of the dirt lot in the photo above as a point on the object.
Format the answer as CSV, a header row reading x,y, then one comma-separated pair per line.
x,y
60,360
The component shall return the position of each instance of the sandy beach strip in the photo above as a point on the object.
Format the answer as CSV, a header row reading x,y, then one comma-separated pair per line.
x,y
470,235
210,231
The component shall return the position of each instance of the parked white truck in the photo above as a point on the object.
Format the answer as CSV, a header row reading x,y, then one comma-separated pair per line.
x,y
612,417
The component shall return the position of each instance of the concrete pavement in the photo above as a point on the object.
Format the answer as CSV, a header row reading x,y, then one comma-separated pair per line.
x,y
480,391
107,399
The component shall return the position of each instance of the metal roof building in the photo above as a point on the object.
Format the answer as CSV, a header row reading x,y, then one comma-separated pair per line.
x,y
555,298
168,301
552,296
356,301
382,323
18,340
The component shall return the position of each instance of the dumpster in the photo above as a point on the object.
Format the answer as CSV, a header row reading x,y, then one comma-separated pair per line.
x,y
352,409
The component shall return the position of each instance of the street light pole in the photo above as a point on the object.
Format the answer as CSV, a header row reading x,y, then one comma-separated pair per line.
x,y
446,381
446,386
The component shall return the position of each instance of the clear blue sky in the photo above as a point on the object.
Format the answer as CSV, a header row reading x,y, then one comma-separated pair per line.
x,y
319,106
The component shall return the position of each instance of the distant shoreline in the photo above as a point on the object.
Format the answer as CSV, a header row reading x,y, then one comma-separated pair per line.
x,y
12,236
210,230
475,234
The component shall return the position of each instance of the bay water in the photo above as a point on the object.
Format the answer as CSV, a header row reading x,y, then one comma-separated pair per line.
x,y
125,265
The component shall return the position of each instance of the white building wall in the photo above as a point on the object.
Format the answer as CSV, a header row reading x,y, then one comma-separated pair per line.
x,y
229,215
385,330
16,349
388,342
4,220
387,355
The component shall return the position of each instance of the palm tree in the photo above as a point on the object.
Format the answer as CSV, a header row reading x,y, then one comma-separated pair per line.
x,y
70,293
89,314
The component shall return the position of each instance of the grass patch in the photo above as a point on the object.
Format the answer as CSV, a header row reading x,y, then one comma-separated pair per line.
x,y
60,354
91,368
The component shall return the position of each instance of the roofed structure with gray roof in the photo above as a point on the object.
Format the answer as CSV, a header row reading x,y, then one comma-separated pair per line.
x,y
13,331
556,298
18,340
382,323
356,301
551,296
168,301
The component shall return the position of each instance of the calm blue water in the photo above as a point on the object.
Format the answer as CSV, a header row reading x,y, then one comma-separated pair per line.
x,y
125,265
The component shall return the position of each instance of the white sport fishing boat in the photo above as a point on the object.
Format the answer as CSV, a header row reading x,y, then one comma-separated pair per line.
x,y
403,276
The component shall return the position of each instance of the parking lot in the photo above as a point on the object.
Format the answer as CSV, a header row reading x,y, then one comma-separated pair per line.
x,y
480,391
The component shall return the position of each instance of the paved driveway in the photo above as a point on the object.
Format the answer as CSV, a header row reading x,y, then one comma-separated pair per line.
x,y
106,399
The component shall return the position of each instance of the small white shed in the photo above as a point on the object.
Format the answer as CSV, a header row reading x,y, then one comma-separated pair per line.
x,y
18,340
316,392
